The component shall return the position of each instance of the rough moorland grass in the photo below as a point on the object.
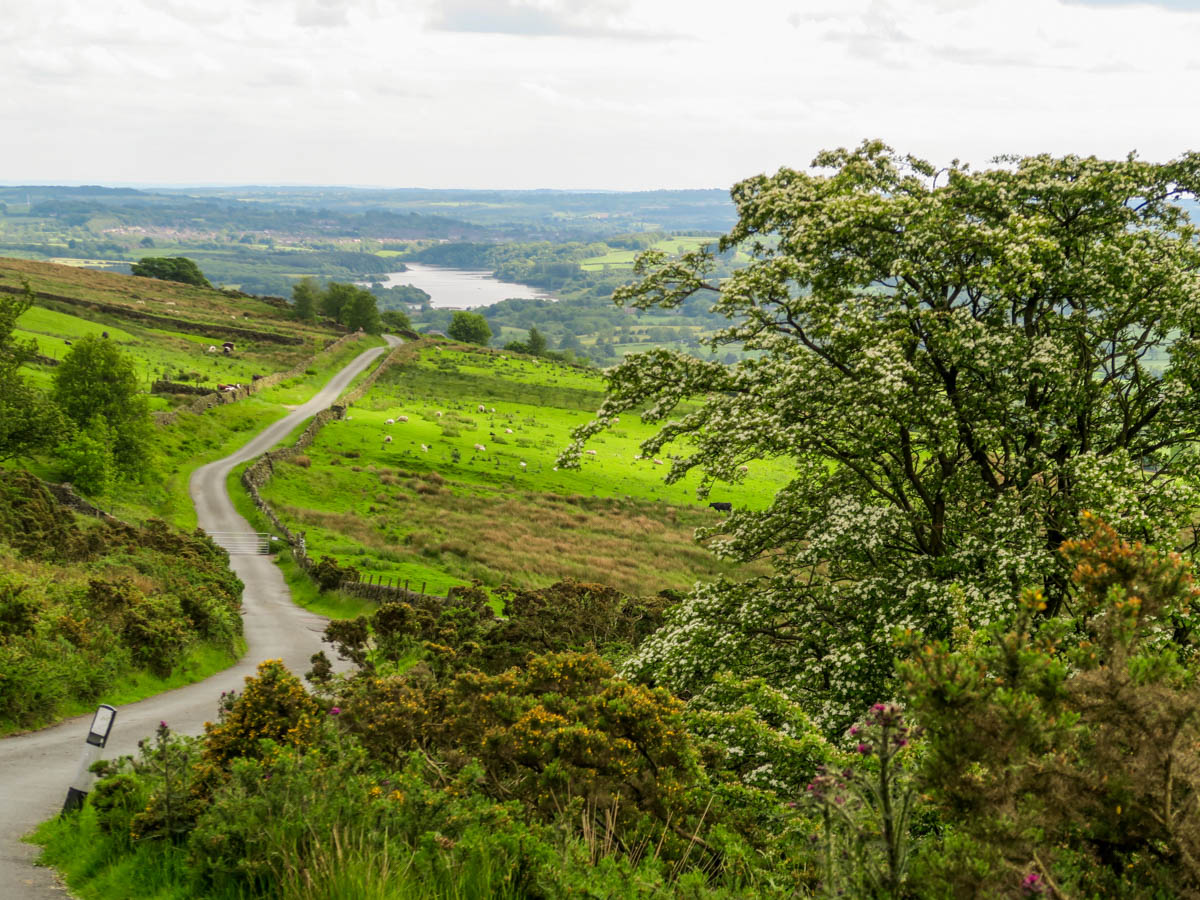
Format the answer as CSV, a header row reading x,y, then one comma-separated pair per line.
x,y
450,514
97,865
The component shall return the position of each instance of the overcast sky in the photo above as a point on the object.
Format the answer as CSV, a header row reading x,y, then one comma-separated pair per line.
x,y
614,94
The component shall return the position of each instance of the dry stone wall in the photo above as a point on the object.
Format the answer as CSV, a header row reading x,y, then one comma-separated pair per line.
x,y
213,329
210,400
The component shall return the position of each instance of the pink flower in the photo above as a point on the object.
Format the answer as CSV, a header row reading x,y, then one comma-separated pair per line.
x,y
336,711
864,749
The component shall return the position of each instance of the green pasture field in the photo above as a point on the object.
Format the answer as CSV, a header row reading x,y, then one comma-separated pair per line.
x,y
156,353
451,513
623,259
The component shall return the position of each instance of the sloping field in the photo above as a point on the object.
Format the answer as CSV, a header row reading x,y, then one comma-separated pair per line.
x,y
168,328
428,506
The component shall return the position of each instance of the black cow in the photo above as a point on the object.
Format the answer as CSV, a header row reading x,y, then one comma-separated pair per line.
x,y
722,507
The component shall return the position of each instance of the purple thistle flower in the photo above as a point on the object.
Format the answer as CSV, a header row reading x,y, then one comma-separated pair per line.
x,y
336,711
864,749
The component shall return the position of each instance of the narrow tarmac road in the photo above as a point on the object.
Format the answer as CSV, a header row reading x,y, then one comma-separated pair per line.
x,y
36,768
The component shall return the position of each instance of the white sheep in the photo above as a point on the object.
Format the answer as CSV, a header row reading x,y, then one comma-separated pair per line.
x,y
658,462
387,438
492,409
438,413
591,453
141,303
480,447
401,418
508,431
212,349
616,420
425,447
482,408
389,421
743,469
522,465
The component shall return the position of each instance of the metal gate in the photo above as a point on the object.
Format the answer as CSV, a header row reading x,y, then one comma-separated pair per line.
x,y
242,543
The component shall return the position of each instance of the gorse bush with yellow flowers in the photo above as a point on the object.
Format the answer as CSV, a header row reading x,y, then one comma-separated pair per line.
x,y
1023,757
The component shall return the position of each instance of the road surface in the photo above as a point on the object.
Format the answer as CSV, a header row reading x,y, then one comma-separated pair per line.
x,y
37,768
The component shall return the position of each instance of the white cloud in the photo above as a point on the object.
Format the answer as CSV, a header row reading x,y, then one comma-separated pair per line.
x,y
573,93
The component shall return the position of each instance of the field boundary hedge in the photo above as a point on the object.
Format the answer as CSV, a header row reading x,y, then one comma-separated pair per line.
x,y
259,472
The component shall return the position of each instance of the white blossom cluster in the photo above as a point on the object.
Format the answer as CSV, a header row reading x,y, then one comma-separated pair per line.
x,y
956,368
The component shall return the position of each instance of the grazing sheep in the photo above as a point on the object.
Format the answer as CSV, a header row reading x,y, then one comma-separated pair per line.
x,y
492,409
389,421
591,453
508,431
616,420
522,465
438,413
743,469
387,438
141,303
425,447
480,447
401,418
482,408
212,349
658,462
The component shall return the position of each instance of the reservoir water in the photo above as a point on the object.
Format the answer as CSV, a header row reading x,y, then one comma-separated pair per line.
x,y
461,288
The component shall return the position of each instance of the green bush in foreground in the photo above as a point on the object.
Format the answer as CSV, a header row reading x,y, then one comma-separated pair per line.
x,y
85,604
1030,758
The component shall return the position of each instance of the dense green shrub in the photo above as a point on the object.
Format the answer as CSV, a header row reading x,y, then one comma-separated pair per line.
x,y
84,602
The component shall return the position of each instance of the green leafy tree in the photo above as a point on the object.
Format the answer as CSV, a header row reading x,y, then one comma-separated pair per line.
x,y
470,328
97,379
29,421
362,312
86,459
170,268
395,320
337,299
305,297
954,364
536,342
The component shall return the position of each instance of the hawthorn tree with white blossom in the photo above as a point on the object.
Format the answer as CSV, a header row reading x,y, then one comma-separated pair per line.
x,y
957,363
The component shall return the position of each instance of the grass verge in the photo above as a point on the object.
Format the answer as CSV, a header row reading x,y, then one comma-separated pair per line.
x,y
202,661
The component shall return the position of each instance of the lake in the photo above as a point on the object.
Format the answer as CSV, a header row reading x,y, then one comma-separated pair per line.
x,y
461,288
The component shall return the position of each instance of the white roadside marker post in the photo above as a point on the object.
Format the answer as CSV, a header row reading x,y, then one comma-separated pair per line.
x,y
98,733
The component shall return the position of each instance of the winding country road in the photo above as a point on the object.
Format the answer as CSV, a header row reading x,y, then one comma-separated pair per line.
x,y
36,768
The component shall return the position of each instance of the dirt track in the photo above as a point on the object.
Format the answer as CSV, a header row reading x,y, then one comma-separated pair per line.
x,y
36,768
